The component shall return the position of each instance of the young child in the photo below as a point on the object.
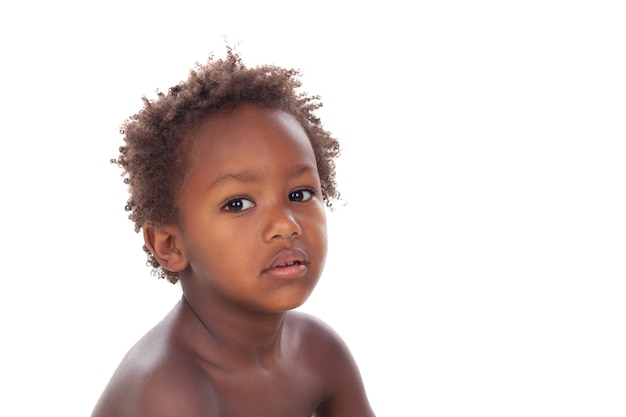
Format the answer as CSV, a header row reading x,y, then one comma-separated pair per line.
x,y
228,174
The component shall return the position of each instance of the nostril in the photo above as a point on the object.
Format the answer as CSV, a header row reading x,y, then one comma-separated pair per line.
x,y
282,224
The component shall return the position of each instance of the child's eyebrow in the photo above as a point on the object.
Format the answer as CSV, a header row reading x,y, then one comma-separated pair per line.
x,y
302,169
241,176
248,176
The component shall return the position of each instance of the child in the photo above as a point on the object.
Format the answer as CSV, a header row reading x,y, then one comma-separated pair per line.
x,y
228,174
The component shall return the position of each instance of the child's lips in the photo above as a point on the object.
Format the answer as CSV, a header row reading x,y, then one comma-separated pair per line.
x,y
289,263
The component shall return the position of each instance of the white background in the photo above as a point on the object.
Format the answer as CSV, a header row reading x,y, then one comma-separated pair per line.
x,y
478,265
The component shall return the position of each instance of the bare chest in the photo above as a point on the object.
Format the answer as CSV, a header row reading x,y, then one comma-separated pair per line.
x,y
284,392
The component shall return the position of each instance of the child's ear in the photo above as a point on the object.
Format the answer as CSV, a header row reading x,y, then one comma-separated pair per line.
x,y
163,243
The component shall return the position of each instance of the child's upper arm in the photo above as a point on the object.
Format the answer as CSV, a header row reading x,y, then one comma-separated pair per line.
x,y
158,391
174,391
344,390
171,403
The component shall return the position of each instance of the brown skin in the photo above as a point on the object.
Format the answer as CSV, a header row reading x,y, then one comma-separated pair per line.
x,y
249,246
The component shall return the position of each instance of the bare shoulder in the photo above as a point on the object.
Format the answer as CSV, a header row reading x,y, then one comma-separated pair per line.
x,y
157,378
343,386
316,337
319,339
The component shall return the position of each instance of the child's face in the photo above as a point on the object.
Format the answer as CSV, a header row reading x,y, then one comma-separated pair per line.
x,y
251,213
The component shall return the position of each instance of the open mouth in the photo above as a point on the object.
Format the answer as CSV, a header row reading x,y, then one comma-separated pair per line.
x,y
287,264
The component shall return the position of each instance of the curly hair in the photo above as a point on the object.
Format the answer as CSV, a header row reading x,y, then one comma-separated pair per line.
x,y
155,155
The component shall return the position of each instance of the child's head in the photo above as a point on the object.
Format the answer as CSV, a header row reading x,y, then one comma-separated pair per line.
x,y
156,152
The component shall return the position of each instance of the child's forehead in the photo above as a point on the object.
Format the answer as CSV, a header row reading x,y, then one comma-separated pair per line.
x,y
245,122
247,133
247,111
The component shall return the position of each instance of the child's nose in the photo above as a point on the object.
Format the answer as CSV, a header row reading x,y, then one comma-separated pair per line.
x,y
282,224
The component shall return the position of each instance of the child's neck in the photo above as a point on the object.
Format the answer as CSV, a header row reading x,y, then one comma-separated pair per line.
x,y
242,338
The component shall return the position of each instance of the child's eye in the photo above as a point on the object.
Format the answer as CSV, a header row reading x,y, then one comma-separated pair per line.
x,y
301,195
238,204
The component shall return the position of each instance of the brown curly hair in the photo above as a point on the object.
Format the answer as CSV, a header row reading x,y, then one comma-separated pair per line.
x,y
155,155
